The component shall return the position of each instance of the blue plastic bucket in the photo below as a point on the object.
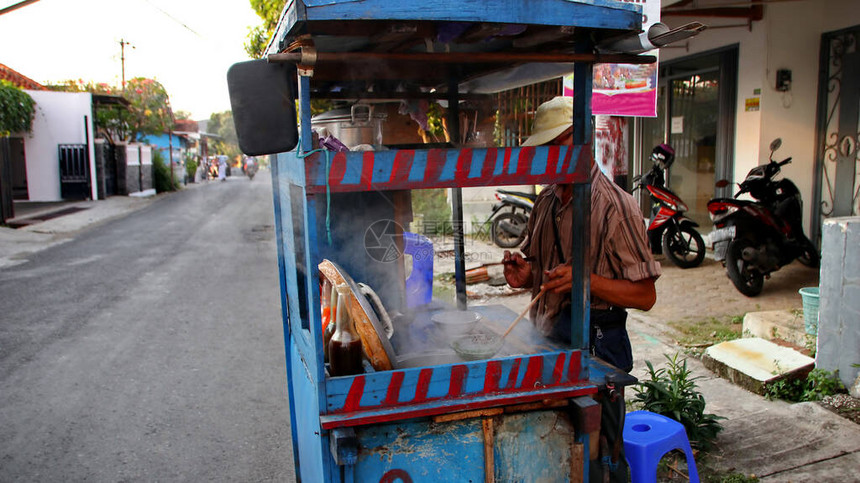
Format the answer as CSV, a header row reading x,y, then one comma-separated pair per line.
x,y
810,309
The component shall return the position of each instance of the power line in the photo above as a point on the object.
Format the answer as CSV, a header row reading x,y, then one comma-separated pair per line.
x,y
171,17
16,6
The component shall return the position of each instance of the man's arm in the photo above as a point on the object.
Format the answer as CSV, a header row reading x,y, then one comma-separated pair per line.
x,y
623,293
619,292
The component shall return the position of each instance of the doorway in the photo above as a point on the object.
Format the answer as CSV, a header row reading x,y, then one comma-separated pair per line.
x,y
695,115
19,169
837,174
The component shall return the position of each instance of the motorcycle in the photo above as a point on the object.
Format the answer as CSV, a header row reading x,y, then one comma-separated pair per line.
x,y
510,217
251,168
669,231
755,238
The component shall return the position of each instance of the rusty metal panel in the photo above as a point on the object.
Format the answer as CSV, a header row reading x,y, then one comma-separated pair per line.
x,y
421,451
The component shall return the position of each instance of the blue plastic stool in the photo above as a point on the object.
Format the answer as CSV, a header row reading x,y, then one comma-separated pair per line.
x,y
419,284
647,437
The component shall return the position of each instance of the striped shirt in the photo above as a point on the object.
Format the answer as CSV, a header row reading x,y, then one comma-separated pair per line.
x,y
618,245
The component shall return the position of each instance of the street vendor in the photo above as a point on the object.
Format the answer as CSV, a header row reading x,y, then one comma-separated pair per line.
x,y
623,270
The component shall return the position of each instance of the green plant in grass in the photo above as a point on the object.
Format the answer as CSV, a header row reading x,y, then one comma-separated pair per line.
x,y
671,391
814,387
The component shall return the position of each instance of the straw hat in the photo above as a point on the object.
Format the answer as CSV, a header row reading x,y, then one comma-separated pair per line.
x,y
553,117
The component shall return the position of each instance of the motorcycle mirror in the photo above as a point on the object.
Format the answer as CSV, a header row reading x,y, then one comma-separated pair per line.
x,y
722,183
775,144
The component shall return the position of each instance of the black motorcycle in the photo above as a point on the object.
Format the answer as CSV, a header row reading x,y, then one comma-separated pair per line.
x,y
669,230
510,217
755,238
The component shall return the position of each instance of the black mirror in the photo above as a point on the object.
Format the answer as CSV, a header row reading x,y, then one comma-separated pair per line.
x,y
263,99
722,183
775,144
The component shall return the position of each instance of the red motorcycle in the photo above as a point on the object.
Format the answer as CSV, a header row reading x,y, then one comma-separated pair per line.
x,y
669,230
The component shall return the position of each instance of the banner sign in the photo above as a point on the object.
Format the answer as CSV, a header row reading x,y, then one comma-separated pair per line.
x,y
625,89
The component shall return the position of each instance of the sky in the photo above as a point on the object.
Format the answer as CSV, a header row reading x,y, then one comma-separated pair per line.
x,y
186,45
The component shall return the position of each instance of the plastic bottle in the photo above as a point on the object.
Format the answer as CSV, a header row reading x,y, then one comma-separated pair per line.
x,y
344,348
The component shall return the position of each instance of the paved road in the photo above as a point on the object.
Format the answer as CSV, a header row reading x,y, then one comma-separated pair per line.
x,y
150,348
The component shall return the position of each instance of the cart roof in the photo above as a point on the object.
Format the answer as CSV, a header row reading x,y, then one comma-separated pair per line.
x,y
462,29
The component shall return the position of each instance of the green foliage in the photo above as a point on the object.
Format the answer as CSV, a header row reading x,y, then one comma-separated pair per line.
x,y
672,393
150,107
258,37
17,109
221,124
818,384
161,174
148,114
190,165
432,205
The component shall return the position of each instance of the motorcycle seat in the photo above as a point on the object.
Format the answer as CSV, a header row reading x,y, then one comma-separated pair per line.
x,y
519,193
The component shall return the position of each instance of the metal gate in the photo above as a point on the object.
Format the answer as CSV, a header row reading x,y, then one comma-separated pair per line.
x,y
74,171
838,145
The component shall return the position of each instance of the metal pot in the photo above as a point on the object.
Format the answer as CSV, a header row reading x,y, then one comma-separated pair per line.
x,y
353,126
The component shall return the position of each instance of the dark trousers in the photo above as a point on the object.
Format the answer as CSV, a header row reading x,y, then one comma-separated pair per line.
x,y
610,342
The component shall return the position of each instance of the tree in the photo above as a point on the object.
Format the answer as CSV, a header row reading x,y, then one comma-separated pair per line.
x,y
149,112
221,124
182,115
17,109
150,107
258,37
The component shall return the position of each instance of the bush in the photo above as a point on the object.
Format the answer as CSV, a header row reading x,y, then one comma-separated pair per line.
x,y
190,168
818,384
17,109
672,393
161,174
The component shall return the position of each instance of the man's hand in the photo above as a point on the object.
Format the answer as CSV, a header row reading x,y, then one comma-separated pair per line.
x,y
559,280
518,272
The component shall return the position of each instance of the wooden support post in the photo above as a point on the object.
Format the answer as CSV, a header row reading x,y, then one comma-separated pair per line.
x,y
489,464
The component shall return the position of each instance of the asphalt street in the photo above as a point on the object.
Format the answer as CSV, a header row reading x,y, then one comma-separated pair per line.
x,y
150,348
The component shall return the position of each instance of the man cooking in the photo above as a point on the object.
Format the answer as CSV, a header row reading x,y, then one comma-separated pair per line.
x,y
623,270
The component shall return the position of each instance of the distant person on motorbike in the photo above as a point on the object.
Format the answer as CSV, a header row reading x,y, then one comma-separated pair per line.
x,y
623,271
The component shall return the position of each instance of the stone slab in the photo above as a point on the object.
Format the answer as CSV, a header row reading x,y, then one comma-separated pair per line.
x,y
752,363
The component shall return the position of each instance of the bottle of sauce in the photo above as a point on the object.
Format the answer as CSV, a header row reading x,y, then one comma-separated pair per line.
x,y
328,331
344,348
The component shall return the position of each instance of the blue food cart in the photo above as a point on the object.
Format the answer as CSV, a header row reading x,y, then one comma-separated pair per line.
x,y
422,410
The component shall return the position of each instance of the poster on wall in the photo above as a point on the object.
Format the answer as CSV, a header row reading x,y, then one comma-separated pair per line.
x,y
610,147
625,89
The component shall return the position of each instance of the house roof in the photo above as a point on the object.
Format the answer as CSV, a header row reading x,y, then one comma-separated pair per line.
x,y
20,80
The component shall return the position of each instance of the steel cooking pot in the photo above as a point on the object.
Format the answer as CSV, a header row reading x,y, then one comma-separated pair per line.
x,y
353,125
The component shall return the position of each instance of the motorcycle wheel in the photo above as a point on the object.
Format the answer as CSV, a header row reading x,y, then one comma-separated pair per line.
x,y
684,246
504,239
810,256
748,280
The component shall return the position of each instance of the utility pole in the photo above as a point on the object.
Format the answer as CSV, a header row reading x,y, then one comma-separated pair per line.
x,y
122,44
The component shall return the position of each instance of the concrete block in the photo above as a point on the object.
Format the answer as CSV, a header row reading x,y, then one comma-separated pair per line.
x,y
753,363
839,305
785,325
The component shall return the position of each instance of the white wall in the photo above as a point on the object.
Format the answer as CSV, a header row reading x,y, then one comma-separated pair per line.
x,y
60,118
789,37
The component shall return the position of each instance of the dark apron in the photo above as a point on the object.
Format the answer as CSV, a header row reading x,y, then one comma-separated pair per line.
x,y
609,340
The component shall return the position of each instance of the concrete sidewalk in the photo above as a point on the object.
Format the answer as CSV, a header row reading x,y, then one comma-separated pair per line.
x,y
36,235
773,440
